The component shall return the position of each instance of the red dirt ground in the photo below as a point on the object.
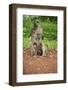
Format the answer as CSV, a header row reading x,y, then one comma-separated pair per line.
x,y
40,64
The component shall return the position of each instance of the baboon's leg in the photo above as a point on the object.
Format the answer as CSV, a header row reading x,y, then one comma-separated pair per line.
x,y
43,49
46,50
33,50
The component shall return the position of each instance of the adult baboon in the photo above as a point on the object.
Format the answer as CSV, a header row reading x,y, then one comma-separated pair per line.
x,y
37,47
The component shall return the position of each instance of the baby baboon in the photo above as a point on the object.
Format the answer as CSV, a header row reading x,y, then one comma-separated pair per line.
x,y
36,50
39,50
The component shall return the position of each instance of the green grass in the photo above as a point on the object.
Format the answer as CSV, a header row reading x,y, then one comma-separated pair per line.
x,y
50,43
49,26
49,30
26,42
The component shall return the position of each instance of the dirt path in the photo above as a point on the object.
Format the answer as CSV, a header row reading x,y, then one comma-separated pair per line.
x,y
40,64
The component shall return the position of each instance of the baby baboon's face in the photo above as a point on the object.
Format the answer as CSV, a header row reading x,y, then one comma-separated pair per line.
x,y
35,45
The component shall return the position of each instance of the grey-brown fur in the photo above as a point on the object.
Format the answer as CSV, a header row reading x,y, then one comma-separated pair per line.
x,y
37,47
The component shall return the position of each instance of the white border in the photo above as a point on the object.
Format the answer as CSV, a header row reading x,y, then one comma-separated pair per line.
x,y
39,77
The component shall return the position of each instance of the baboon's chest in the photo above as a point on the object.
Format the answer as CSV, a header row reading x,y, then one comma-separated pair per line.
x,y
37,34
38,30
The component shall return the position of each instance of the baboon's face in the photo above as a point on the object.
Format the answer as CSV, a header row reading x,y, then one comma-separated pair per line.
x,y
35,45
36,22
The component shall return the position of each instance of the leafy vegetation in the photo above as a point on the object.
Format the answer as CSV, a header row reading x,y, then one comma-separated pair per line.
x,y
49,25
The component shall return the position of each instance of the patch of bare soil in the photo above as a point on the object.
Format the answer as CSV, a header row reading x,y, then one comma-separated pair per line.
x,y
40,64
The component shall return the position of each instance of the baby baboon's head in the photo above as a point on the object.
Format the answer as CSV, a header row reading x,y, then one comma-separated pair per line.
x,y
39,50
35,45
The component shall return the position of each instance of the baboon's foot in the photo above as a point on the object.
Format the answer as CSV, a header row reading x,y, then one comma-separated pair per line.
x,y
44,55
33,55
